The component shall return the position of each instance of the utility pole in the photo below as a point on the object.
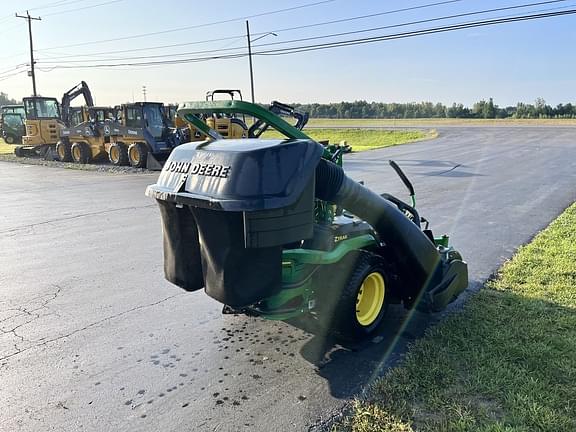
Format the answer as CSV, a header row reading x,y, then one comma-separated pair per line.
x,y
144,92
29,19
250,54
250,60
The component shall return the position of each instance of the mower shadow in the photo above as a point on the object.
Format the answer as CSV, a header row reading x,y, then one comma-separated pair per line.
x,y
349,367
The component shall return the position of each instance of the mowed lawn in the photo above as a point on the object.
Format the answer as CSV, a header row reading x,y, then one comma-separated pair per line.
x,y
364,139
507,362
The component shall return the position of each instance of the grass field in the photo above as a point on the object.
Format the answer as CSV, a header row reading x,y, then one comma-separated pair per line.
x,y
359,139
507,362
365,139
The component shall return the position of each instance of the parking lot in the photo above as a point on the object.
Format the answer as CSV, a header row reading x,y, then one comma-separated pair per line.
x,y
93,337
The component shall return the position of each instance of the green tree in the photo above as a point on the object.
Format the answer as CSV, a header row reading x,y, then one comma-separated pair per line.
x,y
5,100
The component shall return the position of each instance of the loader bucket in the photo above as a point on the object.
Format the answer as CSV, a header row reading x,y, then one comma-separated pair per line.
x,y
155,162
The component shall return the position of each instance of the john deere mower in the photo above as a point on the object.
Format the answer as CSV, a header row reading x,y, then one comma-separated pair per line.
x,y
275,228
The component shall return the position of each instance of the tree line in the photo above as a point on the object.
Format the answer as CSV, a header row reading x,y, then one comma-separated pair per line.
x,y
482,109
5,100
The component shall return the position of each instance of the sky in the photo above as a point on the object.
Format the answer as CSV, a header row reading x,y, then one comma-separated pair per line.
x,y
510,62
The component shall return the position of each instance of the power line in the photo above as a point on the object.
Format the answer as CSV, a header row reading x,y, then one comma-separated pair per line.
x,y
148,48
5,77
141,35
82,8
323,23
19,66
213,51
404,35
58,3
351,42
46,6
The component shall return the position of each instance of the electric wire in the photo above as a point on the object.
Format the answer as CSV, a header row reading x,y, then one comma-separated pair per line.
x,y
351,42
18,66
5,77
82,8
149,48
404,35
443,18
141,35
342,20
58,3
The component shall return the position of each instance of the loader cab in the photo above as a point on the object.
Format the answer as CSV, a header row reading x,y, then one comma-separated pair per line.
x,y
146,115
12,127
43,122
77,116
13,109
41,108
100,114
91,114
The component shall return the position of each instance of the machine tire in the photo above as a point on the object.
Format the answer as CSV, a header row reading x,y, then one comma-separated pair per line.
x,y
19,151
364,299
10,139
81,153
64,151
118,154
137,155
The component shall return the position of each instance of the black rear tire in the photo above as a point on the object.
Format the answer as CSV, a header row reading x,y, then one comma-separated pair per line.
x,y
64,151
81,153
137,155
118,154
364,299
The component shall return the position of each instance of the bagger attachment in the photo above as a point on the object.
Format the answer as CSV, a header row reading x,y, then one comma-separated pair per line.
x,y
274,228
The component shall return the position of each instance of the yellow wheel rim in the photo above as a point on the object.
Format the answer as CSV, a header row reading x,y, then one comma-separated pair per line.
x,y
76,152
370,299
61,152
134,155
114,154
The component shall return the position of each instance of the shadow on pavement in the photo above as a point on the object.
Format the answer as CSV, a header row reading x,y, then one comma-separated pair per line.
x,y
349,367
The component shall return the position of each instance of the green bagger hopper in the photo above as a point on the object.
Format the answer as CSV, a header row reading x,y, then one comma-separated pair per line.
x,y
274,228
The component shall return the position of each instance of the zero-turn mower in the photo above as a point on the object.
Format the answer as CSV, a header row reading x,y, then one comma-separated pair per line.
x,y
275,228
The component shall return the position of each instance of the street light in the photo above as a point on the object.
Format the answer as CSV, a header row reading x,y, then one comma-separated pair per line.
x,y
250,55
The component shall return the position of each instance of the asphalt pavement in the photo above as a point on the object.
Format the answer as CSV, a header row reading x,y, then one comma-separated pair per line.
x,y
92,338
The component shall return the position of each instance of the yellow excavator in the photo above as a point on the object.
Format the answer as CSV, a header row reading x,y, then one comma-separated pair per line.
x,y
45,119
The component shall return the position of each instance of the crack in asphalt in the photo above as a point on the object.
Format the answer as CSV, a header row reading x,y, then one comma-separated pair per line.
x,y
11,230
449,170
29,312
67,335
